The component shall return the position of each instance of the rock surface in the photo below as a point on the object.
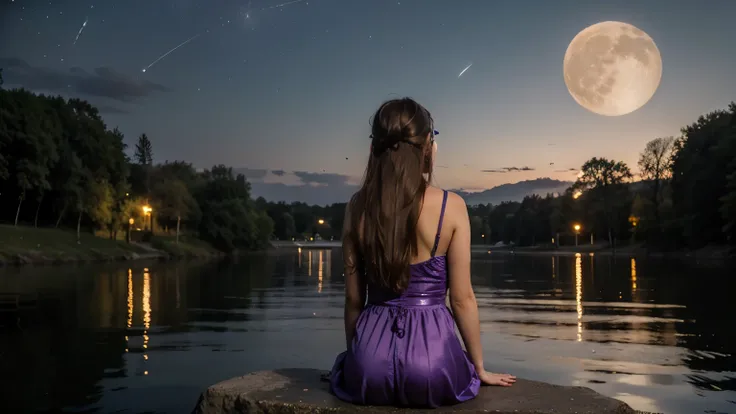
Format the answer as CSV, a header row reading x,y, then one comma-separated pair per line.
x,y
302,391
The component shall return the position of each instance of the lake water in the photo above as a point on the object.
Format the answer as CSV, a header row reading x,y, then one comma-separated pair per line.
x,y
660,335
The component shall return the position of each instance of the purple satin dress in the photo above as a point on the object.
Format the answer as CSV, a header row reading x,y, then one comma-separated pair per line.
x,y
405,351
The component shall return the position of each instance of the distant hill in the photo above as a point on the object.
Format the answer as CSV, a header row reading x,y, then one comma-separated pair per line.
x,y
340,192
515,191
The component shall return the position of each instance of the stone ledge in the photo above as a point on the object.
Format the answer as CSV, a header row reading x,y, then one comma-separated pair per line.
x,y
293,391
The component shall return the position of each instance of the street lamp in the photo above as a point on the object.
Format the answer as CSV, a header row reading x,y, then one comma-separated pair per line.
x,y
576,227
147,210
130,224
321,221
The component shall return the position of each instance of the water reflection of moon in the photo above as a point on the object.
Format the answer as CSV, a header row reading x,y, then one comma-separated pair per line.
x,y
612,68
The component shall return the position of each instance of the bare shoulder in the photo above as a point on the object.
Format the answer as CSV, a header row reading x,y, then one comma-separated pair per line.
x,y
456,204
455,209
456,212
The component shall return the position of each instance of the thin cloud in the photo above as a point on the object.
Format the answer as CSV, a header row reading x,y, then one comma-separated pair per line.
x,y
102,82
508,170
321,178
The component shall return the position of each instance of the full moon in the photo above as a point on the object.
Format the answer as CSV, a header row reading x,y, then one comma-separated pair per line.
x,y
612,68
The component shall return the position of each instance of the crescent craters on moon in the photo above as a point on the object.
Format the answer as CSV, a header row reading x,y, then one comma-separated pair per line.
x,y
612,68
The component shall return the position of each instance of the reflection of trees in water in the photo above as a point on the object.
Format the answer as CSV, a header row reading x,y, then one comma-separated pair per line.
x,y
59,360
702,295
229,285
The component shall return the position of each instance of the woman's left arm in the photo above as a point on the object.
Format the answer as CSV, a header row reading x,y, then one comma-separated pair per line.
x,y
355,287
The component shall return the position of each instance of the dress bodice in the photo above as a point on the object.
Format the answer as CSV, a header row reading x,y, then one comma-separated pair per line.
x,y
428,283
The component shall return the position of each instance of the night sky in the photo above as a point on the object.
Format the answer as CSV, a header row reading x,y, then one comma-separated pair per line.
x,y
285,92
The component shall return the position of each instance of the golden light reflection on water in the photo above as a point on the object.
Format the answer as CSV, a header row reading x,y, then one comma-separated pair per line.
x,y
145,310
633,275
146,307
130,299
130,305
319,272
299,250
579,293
309,263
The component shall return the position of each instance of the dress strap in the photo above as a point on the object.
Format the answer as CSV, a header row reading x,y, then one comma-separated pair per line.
x,y
439,226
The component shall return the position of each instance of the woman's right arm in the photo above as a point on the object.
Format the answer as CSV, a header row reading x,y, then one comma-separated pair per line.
x,y
462,298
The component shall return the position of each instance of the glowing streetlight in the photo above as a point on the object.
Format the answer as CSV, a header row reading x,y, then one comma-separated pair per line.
x,y
321,221
147,210
577,228
130,224
577,195
634,220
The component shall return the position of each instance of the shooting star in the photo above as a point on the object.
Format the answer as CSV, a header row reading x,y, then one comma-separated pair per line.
x,y
463,71
169,52
283,4
81,29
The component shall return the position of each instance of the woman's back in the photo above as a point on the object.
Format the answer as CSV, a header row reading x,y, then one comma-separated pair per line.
x,y
429,268
405,243
405,351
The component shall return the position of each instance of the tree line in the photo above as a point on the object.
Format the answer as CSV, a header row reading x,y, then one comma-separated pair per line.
x,y
684,197
61,166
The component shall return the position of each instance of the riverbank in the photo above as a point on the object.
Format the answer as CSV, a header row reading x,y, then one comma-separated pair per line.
x,y
709,252
28,245
636,250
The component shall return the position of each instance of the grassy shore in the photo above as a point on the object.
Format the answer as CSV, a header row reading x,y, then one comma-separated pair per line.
x,y
29,245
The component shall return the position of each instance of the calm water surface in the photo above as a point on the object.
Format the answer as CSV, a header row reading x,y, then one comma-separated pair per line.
x,y
659,335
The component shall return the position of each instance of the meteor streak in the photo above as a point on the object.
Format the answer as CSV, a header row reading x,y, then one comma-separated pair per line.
x,y
81,29
170,51
463,71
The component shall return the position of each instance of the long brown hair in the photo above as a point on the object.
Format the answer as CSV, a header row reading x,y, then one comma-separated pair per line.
x,y
385,211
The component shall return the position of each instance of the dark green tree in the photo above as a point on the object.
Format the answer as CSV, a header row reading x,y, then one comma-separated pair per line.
x,y
656,171
143,151
173,201
603,180
700,178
